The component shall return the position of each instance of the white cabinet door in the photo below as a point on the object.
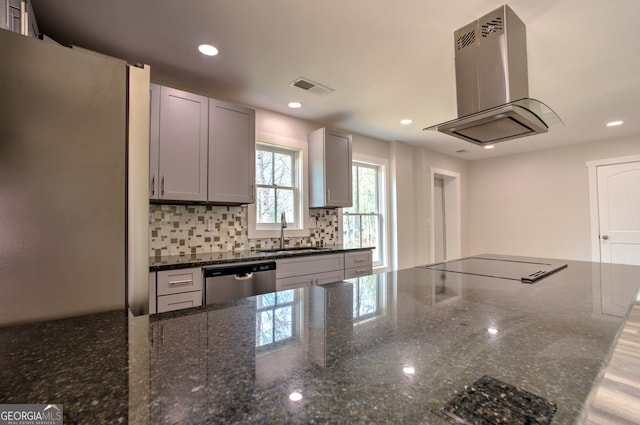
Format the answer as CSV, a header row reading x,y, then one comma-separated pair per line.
x,y
182,145
232,152
312,264
154,141
357,264
301,272
307,280
179,301
330,169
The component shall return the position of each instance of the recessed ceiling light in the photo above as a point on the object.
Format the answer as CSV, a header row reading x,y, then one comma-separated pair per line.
x,y
295,105
208,49
489,146
406,121
492,330
614,123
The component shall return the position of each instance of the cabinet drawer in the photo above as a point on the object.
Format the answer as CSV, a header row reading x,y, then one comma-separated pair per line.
x,y
357,272
309,280
177,281
357,259
179,301
312,264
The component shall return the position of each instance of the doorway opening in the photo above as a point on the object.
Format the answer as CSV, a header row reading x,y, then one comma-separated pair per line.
x,y
445,215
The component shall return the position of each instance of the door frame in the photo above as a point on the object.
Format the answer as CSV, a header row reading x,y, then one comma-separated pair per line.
x,y
452,217
592,168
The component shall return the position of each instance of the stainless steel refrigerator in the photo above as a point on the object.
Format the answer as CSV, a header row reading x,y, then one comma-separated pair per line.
x,y
63,164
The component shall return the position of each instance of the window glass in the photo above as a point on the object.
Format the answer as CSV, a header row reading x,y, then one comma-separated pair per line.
x,y
276,319
275,185
362,223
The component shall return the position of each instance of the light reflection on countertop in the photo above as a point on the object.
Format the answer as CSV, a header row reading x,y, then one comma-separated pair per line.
x,y
389,348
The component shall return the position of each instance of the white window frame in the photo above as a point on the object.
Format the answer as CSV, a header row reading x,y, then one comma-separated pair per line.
x,y
383,207
265,231
295,187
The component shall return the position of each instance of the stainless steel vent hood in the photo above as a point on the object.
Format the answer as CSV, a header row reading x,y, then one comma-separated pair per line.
x,y
492,83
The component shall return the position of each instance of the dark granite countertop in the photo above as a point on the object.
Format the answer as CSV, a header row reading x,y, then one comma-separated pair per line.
x,y
413,346
171,262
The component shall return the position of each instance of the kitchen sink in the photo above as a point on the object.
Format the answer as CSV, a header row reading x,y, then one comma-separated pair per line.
x,y
294,250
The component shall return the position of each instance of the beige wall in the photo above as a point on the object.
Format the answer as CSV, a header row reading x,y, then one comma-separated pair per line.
x,y
413,194
537,204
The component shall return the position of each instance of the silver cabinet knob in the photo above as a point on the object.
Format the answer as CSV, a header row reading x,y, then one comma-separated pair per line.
x,y
605,237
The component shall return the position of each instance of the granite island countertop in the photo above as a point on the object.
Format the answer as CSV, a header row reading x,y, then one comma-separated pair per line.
x,y
169,262
393,348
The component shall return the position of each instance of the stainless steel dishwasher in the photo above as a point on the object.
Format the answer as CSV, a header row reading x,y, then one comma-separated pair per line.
x,y
233,281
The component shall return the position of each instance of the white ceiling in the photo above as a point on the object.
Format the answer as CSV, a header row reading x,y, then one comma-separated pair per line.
x,y
385,60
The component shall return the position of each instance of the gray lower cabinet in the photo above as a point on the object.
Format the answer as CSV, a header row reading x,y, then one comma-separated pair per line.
x,y
301,272
330,169
178,289
232,153
178,145
358,263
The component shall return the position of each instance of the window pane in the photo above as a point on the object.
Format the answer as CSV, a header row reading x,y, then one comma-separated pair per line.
x,y
264,328
265,205
351,231
264,167
368,295
369,230
285,203
285,296
283,323
283,169
266,300
367,190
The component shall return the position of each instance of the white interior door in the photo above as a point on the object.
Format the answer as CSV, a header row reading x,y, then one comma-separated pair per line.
x,y
619,212
445,215
439,220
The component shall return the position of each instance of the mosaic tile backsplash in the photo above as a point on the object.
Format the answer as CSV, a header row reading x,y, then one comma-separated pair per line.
x,y
195,229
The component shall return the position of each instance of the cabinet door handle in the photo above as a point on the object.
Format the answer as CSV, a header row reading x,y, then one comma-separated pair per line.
x,y
181,282
359,260
162,192
153,185
361,270
328,195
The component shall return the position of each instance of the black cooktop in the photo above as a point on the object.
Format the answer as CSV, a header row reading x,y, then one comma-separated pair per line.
x,y
523,271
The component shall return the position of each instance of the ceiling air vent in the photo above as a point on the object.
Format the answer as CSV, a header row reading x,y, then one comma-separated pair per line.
x,y
311,86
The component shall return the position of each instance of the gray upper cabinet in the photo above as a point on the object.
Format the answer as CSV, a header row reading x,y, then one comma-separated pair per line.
x,y
232,153
154,141
330,169
179,138
18,16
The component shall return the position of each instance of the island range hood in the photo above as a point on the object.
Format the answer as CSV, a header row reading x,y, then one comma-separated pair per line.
x,y
492,83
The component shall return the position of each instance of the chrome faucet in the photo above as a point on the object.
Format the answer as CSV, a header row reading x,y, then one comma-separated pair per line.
x,y
283,224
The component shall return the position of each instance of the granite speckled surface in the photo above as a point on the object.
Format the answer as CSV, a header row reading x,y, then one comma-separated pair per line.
x,y
393,348
170,262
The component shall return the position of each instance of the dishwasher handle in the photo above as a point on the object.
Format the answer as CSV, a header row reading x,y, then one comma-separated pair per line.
x,y
240,268
243,276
